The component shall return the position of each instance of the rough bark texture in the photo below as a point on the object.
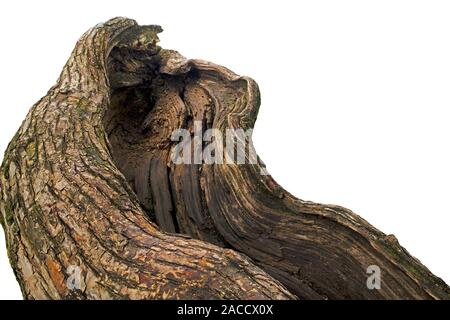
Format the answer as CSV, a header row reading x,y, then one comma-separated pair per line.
x,y
87,181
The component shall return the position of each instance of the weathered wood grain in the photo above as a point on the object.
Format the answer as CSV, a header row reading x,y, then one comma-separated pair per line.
x,y
88,181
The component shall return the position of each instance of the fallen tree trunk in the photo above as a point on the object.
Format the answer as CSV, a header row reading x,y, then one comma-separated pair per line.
x,y
88,184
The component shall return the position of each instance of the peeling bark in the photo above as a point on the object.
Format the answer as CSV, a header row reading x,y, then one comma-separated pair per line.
x,y
88,182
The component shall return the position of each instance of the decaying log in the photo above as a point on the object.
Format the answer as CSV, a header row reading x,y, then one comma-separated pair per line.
x,y
88,183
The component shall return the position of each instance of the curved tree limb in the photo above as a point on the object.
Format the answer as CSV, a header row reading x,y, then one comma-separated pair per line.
x,y
88,181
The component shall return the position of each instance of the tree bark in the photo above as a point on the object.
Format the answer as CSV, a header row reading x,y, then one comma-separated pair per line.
x,y
88,182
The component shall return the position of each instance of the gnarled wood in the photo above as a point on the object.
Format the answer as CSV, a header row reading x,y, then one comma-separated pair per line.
x,y
88,181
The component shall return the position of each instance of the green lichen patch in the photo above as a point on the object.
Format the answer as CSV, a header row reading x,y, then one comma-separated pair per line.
x,y
8,214
31,150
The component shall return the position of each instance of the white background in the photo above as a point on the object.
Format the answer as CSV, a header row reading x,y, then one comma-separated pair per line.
x,y
355,95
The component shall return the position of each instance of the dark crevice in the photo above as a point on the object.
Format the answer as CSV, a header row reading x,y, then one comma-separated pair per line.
x,y
174,202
